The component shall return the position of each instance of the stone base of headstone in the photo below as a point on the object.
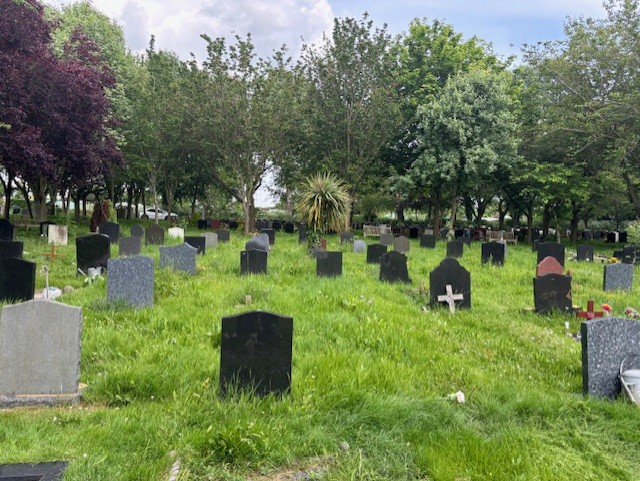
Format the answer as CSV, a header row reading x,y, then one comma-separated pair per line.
x,y
7,402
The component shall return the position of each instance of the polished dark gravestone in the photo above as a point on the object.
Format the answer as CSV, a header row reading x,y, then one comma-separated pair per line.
x,y
328,264
198,242
618,276
154,234
130,280
553,249
289,227
374,251
33,472
17,279
450,272
271,233
253,261
203,224
401,244
455,249
346,237
494,252
605,344
414,232
428,241
92,251
180,258
386,239
585,253
552,292
9,249
393,267
129,246
256,352
110,229
137,230
277,225
257,243
224,235
6,230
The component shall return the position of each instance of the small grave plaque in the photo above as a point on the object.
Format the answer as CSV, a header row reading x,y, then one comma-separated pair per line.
x,y
197,242
253,262
224,235
552,292
110,229
346,237
393,267
92,251
58,235
359,246
451,273
401,244
9,249
553,249
32,472
137,230
154,234
256,352
605,343
131,280
210,240
328,264
386,239
17,279
455,249
494,252
6,230
428,241
271,233
129,246
618,276
176,233
585,253
180,258
374,251
548,265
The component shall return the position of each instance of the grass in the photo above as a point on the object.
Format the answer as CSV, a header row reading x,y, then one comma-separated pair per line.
x,y
373,366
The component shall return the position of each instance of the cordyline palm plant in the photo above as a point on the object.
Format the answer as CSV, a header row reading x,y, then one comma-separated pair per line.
x,y
325,203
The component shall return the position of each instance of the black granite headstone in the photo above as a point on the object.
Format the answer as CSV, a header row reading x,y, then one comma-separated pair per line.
x,y
552,293
428,241
455,249
199,242
585,253
253,262
271,233
289,227
10,249
92,251
6,230
393,267
233,225
494,252
374,251
154,234
17,280
277,225
414,232
552,249
256,352
203,224
223,235
110,229
328,264
32,472
611,237
450,272
623,237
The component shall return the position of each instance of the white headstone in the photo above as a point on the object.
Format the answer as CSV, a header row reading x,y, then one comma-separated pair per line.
x,y
58,234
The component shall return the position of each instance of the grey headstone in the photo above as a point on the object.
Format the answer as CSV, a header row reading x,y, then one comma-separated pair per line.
x,y
257,243
386,239
154,234
401,244
180,258
618,276
393,267
58,234
33,472
605,343
302,233
224,235
131,280
40,349
346,237
271,233
129,246
210,240
137,230
110,229
428,241
359,246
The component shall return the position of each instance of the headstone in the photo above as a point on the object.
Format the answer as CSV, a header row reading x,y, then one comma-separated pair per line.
x,y
256,352
110,229
44,227
359,246
494,252
33,472
176,233
455,249
444,232
180,258
39,353
214,224
401,244
210,240
289,227
137,230
597,235
6,230
606,343
233,225
374,251
618,276
197,242
154,234
328,264
346,237
548,265
9,249
203,224
393,267
552,292
58,235
450,272
465,239
17,279
262,224
414,232
623,237
428,241
587,235
129,246
386,239
585,253
130,280
258,243
92,251
612,237
553,249
224,235
302,233
272,235
277,225
253,262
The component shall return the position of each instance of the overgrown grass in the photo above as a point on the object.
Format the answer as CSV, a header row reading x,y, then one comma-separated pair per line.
x,y
372,367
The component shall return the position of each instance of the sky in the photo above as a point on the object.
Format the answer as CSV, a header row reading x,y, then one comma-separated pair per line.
x,y
177,24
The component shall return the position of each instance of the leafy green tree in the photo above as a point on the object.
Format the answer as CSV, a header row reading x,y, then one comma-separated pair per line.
x,y
325,203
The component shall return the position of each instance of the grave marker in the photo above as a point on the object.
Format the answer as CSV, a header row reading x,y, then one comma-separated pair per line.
x,y
33,472
328,264
428,241
11,249
129,246
359,246
17,279
258,243
553,249
271,233
154,234
6,230
386,239
450,298
451,273
401,244
92,251
585,253
198,242
346,237
177,233
393,267
110,229
253,262
180,258
131,280
224,235
552,292
494,252
455,249
210,240
137,230
58,235
374,251
548,265
590,313
618,276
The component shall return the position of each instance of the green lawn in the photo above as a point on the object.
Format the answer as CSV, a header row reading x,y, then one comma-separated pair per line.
x,y
373,367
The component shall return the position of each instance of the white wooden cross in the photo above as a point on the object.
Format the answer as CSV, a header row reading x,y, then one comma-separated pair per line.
x,y
451,298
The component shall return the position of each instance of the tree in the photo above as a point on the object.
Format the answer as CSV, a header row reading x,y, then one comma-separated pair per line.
x,y
325,203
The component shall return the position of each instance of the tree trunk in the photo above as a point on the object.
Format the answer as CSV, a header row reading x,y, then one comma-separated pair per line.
x,y
633,193
437,207
529,226
8,191
40,199
249,210
575,218
546,219
454,207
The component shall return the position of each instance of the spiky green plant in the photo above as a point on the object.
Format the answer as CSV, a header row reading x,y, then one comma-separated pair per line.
x,y
325,203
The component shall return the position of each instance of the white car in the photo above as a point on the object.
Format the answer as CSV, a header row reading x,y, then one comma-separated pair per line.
x,y
160,214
